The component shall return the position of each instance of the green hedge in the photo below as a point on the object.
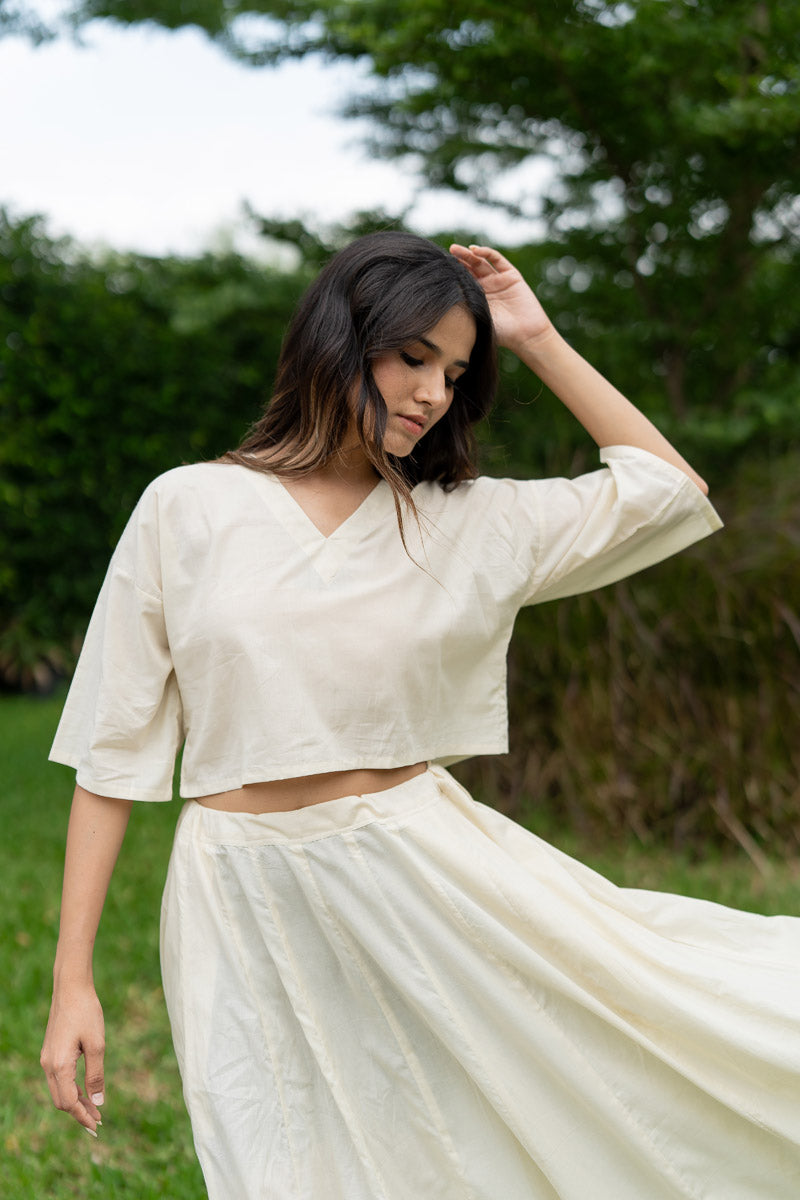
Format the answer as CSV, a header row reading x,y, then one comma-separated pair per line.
x,y
110,373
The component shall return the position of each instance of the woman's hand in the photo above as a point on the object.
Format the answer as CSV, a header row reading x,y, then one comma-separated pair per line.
x,y
518,316
75,1028
523,326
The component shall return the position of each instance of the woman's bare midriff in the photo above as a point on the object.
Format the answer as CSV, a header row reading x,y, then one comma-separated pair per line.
x,y
284,795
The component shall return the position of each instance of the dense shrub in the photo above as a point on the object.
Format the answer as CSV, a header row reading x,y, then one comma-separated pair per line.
x,y
110,373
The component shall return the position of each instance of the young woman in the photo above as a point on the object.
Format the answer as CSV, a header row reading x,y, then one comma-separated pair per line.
x,y
380,989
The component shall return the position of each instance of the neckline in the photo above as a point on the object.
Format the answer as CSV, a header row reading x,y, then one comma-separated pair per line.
x,y
366,504
326,553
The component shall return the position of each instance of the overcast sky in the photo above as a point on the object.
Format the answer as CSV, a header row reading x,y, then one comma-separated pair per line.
x,y
149,140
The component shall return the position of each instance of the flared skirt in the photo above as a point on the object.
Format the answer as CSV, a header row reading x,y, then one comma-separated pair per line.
x,y
407,996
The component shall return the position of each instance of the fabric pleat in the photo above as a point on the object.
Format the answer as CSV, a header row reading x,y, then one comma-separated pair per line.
x,y
407,995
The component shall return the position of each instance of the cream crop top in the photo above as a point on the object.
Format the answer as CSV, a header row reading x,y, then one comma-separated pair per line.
x,y
228,623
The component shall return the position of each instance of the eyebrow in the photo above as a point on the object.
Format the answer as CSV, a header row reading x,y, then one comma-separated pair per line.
x,y
457,362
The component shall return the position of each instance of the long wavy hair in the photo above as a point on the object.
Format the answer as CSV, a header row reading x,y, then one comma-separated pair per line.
x,y
380,293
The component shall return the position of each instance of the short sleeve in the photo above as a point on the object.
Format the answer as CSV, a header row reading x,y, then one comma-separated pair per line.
x,y
573,535
122,722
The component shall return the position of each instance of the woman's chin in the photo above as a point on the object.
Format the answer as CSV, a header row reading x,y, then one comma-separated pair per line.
x,y
399,445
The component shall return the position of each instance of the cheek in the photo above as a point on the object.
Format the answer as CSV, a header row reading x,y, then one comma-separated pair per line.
x,y
387,377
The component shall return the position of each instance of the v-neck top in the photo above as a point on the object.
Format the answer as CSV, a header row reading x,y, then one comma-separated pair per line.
x,y
230,625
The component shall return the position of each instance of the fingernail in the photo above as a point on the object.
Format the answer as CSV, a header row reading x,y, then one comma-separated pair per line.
x,y
99,1122
93,1132
97,1098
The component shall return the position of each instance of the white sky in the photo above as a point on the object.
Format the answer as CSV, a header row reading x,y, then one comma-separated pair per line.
x,y
148,140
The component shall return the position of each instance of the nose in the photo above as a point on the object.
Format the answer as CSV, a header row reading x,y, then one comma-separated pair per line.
x,y
432,389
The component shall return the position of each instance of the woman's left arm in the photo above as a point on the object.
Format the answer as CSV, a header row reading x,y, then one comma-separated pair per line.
x,y
523,326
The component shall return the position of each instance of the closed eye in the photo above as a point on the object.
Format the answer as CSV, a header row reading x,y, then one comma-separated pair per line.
x,y
418,362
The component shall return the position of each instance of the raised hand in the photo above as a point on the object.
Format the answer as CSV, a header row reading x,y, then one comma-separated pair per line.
x,y
517,314
524,327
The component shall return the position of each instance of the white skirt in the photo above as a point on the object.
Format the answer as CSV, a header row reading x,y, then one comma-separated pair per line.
x,y
407,996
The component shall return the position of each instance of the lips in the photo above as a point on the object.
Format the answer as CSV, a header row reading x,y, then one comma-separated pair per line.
x,y
417,424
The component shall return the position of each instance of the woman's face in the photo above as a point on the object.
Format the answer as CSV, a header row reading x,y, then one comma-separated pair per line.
x,y
417,381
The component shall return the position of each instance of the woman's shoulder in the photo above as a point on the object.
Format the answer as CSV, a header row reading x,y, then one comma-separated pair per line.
x,y
190,493
468,491
192,479
472,508
478,494
197,474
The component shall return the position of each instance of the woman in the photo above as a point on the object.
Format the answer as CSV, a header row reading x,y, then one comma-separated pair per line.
x,y
379,988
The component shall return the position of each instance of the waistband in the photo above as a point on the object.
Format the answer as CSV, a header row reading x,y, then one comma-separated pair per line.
x,y
324,819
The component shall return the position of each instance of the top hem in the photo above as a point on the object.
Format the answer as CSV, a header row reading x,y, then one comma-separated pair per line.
x,y
195,790
190,791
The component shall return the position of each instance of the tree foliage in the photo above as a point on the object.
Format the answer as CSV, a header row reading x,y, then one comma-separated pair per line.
x,y
673,127
20,20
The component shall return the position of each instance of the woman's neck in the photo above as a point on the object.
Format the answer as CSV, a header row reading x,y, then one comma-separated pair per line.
x,y
349,468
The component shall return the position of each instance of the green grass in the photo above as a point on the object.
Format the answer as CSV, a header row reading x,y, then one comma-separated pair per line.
x,y
144,1149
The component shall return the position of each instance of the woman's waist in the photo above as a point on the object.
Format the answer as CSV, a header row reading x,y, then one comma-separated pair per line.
x,y
286,795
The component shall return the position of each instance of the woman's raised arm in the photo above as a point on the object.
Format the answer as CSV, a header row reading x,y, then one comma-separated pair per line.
x,y
97,826
523,326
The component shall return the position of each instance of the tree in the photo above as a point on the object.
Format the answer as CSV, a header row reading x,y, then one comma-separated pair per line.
x,y
674,128
21,21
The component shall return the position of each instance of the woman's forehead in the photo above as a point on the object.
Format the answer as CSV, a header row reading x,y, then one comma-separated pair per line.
x,y
453,336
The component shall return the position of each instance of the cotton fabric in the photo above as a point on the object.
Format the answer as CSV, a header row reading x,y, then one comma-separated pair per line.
x,y
227,619
406,995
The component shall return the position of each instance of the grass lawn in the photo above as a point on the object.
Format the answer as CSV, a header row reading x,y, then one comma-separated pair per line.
x,y
144,1150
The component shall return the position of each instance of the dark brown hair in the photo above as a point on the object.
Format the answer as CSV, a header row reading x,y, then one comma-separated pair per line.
x,y
380,293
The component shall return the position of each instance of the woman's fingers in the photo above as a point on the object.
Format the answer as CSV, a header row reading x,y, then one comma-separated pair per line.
x,y
516,313
493,272
80,1110
67,1096
75,1030
473,261
482,259
491,257
95,1084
